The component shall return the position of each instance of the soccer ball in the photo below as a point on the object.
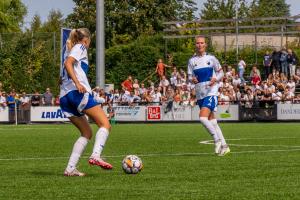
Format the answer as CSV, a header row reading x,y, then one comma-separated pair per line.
x,y
132,164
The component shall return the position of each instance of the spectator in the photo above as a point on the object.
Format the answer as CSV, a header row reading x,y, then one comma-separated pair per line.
x,y
267,64
11,102
160,68
277,95
127,84
3,101
57,101
156,96
47,98
292,62
288,95
242,67
284,62
136,87
276,60
36,99
255,70
110,112
236,81
255,80
24,101
164,83
142,89
174,76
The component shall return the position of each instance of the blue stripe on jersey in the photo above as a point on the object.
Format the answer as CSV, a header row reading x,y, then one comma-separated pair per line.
x,y
82,47
85,67
203,74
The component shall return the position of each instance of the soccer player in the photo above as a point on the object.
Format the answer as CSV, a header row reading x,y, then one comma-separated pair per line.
x,y
76,100
205,71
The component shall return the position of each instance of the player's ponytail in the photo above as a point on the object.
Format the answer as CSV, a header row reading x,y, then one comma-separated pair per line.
x,y
77,35
72,40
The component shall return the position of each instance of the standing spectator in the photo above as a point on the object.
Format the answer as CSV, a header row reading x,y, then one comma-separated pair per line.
x,y
156,96
161,68
276,60
267,64
292,62
284,62
242,67
127,84
110,112
24,107
24,101
36,99
11,103
47,98
2,100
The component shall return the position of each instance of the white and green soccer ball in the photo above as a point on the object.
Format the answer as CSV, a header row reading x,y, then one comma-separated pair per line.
x,y
132,164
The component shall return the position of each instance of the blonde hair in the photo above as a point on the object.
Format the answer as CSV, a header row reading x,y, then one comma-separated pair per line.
x,y
77,35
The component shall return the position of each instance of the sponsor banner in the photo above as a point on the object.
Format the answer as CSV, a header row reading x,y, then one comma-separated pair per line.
x,y
224,113
154,113
47,114
288,111
4,114
130,113
180,113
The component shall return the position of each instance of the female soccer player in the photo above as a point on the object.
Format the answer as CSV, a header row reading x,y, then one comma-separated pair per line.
x,y
205,71
76,100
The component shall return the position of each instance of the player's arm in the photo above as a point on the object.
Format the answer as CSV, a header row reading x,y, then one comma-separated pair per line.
x,y
219,73
191,76
69,63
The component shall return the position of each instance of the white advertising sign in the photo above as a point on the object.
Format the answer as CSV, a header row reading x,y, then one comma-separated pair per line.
x,y
47,114
4,114
224,113
130,113
181,113
288,111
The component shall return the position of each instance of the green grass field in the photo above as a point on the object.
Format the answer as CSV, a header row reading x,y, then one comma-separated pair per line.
x,y
264,163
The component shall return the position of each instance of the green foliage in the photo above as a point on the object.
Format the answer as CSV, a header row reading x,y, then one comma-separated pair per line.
x,y
12,13
136,59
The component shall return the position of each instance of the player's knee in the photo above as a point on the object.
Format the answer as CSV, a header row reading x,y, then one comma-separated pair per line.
x,y
203,119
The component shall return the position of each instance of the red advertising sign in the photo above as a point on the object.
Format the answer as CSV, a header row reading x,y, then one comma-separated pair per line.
x,y
153,113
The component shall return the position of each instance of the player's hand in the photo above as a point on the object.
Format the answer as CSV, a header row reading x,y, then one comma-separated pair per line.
x,y
212,81
195,80
80,88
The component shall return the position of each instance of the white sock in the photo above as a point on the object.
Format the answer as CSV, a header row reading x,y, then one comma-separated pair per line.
x,y
77,151
210,128
214,122
100,139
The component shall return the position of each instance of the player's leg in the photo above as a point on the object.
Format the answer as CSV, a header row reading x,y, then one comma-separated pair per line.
x,y
99,117
86,133
221,146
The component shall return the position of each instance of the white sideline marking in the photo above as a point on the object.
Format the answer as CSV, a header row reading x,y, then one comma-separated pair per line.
x,y
209,142
23,128
153,155
254,145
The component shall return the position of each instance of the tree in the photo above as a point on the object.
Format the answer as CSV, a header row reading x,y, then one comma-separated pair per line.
x,y
12,13
126,20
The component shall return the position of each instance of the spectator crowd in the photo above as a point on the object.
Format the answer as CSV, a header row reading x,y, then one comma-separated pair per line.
x,y
275,84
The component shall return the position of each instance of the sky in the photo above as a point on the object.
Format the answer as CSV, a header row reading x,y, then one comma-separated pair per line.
x,y
42,7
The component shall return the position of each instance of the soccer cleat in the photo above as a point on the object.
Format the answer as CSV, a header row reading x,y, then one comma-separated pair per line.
x,y
218,146
101,163
224,150
75,172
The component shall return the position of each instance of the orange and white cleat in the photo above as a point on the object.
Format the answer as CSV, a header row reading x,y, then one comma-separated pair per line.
x,y
99,162
75,172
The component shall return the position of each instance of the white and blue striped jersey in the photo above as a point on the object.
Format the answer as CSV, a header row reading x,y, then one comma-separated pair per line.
x,y
81,66
204,68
